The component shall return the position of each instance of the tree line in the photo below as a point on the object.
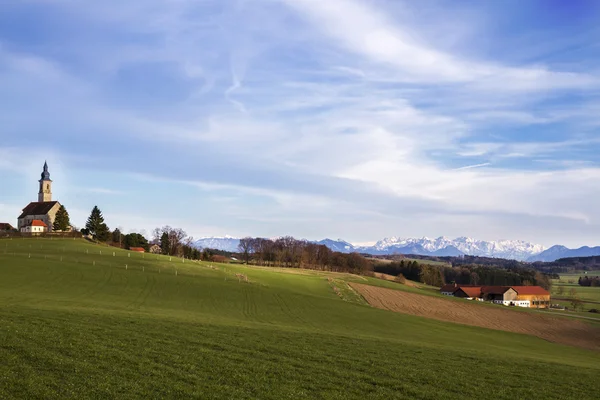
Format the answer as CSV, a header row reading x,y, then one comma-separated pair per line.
x,y
465,274
593,281
289,252
170,241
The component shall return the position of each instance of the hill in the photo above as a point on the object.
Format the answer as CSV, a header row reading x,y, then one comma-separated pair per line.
x,y
558,252
86,321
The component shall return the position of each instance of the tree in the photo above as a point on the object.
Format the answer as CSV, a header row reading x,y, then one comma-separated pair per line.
x,y
171,240
61,222
245,247
96,227
164,244
560,290
136,240
576,303
117,236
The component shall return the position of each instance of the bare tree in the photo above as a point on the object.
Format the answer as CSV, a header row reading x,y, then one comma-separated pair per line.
x,y
245,247
175,237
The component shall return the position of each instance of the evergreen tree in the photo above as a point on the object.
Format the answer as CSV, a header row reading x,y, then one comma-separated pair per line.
x,y
96,226
165,244
61,222
117,236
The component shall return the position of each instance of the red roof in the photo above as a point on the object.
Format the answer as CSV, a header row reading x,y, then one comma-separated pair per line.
x,y
138,249
472,291
451,287
37,222
494,289
531,290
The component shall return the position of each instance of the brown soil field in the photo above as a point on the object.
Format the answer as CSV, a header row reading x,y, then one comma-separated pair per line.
x,y
393,279
558,330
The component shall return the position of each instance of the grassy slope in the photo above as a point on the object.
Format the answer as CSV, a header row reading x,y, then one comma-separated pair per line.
x,y
73,329
591,294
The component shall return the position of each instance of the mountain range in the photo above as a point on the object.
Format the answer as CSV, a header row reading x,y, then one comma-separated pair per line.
x,y
442,246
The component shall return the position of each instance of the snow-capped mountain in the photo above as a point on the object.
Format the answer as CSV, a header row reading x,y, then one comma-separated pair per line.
x,y
338,245
442,246
226,243
556,252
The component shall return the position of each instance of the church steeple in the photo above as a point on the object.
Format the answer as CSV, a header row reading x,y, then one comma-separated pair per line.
x,y
45,193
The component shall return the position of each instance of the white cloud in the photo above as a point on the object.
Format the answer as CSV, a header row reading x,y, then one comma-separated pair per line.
x,y
365,30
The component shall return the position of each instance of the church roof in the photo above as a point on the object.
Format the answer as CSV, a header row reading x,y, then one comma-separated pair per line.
x,y
45,173
38,208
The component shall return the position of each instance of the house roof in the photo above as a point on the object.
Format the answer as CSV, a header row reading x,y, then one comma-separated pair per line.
x,y
38,208
37,222
140,249
5,226
451,287
531,290
471,291
494,289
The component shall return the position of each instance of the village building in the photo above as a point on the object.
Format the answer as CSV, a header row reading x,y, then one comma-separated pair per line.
x,y
43,210
155,249
137,249
6,227
519,296
35,226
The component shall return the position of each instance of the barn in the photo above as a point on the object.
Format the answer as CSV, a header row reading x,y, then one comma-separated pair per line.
x,y
519,296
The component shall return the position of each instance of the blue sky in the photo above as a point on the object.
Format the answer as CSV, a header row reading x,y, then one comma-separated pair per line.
x,y
345,118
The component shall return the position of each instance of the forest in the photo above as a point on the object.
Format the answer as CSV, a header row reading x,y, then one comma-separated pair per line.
x,y
472,274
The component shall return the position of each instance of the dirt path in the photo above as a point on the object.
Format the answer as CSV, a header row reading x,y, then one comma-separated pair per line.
x,y
558,330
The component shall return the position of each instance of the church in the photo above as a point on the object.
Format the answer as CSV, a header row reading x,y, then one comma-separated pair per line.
x,y
38,217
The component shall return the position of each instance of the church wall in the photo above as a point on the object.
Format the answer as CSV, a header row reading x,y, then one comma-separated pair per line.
x,y
47,218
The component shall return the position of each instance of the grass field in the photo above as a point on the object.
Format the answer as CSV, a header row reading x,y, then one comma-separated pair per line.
x,y
78,324
590,296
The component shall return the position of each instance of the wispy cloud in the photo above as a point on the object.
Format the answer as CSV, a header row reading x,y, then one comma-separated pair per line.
x,y
360,118
473,166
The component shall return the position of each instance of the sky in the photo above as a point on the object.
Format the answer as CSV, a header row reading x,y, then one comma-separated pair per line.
x,y
353,119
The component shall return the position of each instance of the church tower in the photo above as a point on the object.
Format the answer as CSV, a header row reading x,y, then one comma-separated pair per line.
x,y
45,193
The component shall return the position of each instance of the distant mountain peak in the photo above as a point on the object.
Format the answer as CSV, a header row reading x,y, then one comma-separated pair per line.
x,y
440,246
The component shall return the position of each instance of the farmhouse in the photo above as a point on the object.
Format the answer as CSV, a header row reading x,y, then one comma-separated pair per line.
x,y
43,210
520,296
6,227
137,249
35,226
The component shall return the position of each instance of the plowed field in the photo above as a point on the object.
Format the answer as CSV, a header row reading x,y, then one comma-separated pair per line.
x,y
558,330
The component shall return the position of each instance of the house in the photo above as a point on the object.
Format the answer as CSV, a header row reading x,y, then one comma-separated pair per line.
x,y
520,296
537,296
6,227
35,226
468,292
155,249
42,210
449,289
137,249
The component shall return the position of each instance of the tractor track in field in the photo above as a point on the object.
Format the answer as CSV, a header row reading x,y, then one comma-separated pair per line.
x,y
558,330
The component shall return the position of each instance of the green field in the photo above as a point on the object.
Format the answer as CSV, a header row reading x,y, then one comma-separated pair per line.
x,y
590,296
78,324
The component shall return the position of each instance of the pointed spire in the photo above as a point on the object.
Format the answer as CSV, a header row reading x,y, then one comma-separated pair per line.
x,y
45,174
